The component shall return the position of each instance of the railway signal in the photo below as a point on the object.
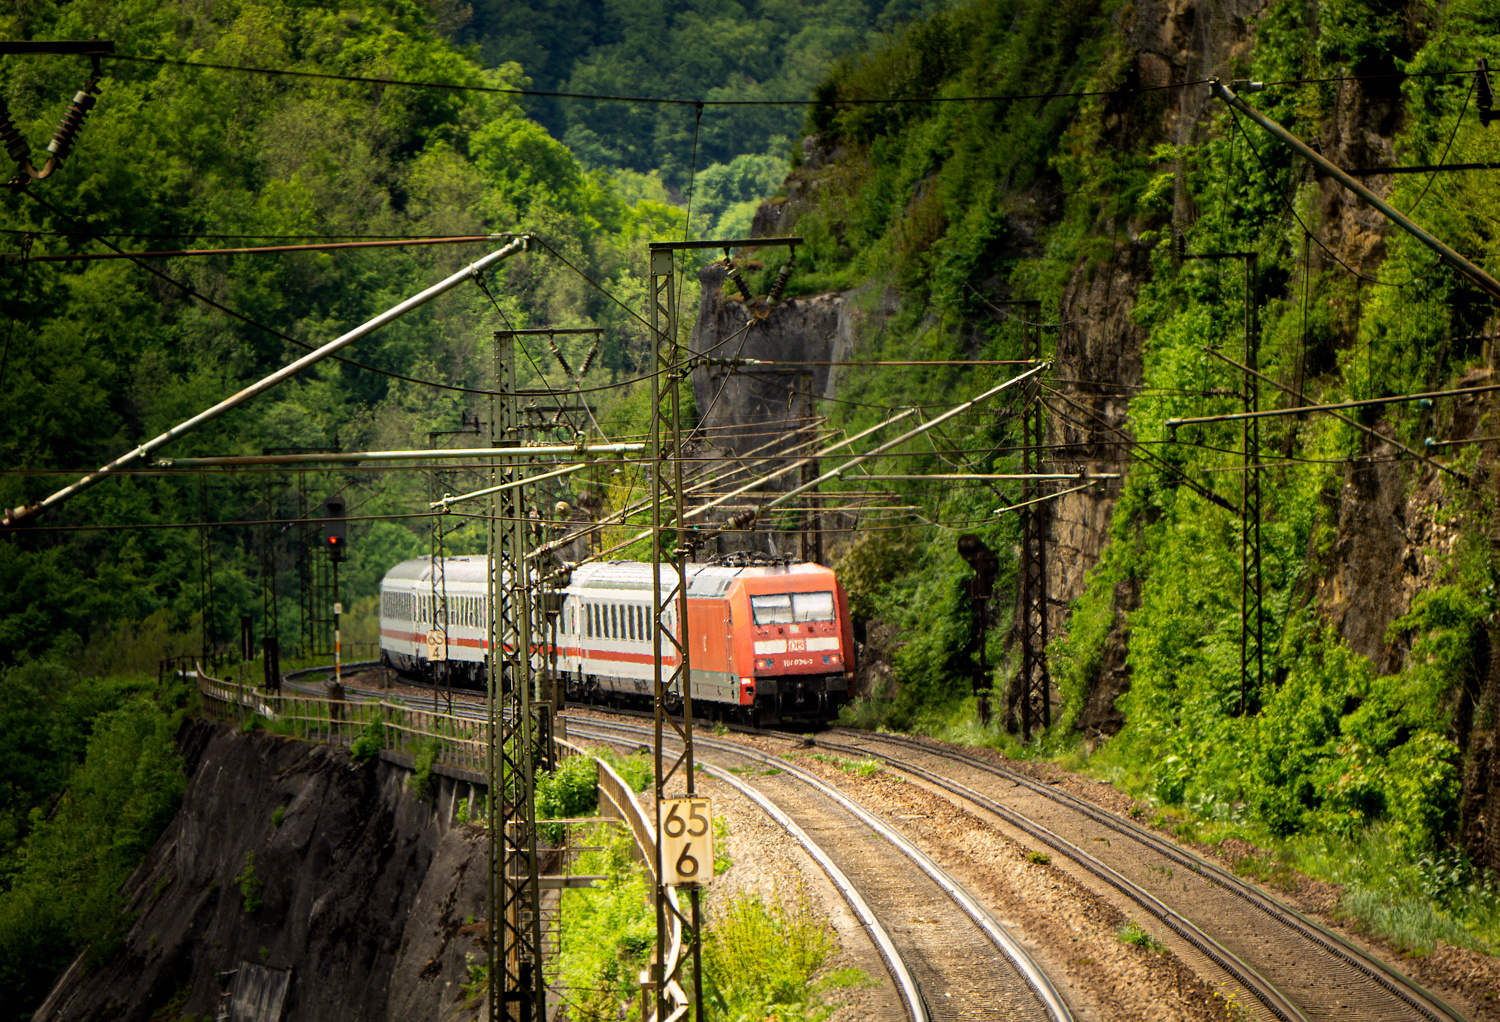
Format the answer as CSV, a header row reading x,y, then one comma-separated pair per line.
x,y
335,529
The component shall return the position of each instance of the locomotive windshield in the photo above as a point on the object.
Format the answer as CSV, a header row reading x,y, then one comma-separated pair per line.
x,y
789,608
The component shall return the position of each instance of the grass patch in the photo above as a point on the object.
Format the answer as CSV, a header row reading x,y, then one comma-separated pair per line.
x,y
1132,933
760,960
868,767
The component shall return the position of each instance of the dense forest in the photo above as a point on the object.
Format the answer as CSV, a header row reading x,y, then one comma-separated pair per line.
x,y
1351,760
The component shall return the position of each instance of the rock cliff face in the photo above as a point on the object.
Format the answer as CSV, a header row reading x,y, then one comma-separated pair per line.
x,y
367,894
752,413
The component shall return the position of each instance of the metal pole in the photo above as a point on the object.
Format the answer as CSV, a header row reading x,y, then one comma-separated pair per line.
x,y
669,633
346,457
491,691
520,976
261,386
1252,476
1401,220
1034,686
338,645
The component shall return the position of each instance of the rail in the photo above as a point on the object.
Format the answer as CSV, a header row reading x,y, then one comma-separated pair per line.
x,y
374,723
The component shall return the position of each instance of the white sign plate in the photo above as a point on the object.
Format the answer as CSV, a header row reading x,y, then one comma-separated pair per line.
x,y
686,830
338,608
437,645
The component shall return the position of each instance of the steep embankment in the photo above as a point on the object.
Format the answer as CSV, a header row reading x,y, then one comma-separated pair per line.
x,y
291,861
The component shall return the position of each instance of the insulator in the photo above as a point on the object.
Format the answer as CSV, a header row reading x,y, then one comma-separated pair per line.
x,y
16,146
1486,99
739,282
588,359
62,139
779,285
557,354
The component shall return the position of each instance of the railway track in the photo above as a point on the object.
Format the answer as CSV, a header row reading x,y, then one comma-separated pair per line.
x,y
1295,969
967,967
1308,969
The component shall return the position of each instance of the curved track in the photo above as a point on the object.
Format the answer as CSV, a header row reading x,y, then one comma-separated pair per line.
x,y
1307,968
968,966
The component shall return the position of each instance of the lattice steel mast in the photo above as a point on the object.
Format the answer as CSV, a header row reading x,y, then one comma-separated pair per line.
x,y
669,553
517,988
1034,683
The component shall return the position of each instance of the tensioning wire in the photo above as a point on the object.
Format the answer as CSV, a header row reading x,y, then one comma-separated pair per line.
x,y
598,97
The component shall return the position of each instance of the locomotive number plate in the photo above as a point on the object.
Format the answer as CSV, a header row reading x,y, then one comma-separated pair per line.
x,y
437,645
686,830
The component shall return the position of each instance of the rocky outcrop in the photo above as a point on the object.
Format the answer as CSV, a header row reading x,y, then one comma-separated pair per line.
x,y
762,412
365,892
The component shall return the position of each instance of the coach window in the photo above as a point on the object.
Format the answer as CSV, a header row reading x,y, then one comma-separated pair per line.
x,y
614,621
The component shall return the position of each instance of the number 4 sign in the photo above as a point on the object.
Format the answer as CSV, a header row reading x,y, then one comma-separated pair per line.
x,y
687,841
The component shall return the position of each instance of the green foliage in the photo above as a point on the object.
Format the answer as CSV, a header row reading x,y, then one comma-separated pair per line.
x,y
759,960
61,890
421,779
369,743
612,929
101,355
927,199
635,770
249,884
758,49
1132,933
277,815
570,791
722,859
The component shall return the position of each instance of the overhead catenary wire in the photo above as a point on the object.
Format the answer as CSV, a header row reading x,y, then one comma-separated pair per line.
x,y
1302,405
266,383
1271,413
600,97
199,296
758,483
742,521
335,457
331,246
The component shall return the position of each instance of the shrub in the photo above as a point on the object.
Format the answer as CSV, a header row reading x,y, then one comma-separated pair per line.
x,y
250,885
420,780
759,960
569,791
368,744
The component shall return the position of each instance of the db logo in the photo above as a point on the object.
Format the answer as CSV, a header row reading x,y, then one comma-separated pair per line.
x,y
797,646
